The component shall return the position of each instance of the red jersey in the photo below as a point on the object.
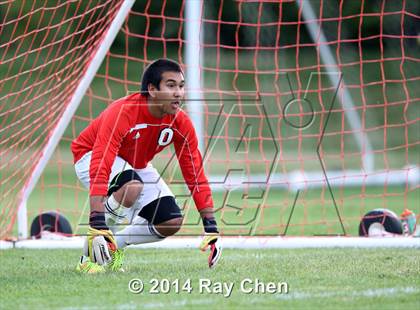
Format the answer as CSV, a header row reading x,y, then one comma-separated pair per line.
x,y
127,129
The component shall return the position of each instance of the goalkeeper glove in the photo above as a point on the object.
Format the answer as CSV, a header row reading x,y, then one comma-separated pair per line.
x,y
211,239
100,239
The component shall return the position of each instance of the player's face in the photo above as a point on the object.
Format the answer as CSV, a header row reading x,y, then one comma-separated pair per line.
x,y
171,92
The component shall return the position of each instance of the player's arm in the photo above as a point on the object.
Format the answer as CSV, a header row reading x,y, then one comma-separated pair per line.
x,y
97,212
191,163
209,222
114,127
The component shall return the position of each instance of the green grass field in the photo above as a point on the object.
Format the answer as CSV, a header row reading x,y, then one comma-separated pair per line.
x,y
316,278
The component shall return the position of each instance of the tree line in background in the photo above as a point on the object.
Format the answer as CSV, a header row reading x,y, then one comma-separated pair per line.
x,y
231,12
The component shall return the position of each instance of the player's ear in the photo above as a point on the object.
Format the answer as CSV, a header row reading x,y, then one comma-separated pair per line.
x,y
152,90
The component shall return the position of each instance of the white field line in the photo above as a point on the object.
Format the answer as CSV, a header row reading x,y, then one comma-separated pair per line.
x,y
379,292
177,304
150,305
236,242
370,293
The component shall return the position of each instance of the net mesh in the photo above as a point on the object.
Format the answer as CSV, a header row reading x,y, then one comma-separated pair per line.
x,y
275,115
45,47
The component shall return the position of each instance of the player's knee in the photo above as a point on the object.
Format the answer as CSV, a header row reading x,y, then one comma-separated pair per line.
x,y
126,187
130,192
165,214
170,227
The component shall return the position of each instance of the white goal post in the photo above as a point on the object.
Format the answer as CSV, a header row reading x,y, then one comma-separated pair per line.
x,y
232,243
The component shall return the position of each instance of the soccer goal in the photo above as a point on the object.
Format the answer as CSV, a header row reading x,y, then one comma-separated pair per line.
x,y
307,111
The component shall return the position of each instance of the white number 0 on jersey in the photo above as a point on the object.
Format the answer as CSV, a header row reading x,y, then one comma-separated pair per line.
x,y
165,136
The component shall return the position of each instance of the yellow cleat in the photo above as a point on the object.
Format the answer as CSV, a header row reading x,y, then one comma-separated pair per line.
x,y
117,261
89,267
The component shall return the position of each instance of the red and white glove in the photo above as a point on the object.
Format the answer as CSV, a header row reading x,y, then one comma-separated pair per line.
x,y
211,240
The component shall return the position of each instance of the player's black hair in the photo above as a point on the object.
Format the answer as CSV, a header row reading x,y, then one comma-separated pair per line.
x,y
153,73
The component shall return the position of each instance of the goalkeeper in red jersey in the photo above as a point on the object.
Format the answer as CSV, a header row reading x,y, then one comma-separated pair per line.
x,y
112,158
